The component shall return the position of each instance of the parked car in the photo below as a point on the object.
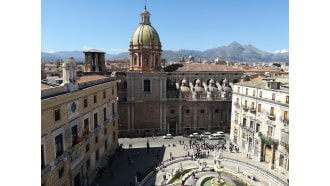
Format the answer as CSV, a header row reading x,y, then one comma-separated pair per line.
x,y
220,132
216,136
168,136
205,135
194,135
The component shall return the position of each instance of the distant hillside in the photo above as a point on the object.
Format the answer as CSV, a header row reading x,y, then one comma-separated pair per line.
x,y
234,51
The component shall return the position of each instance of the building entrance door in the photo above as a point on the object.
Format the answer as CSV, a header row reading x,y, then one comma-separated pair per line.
x,y
268,153
172,127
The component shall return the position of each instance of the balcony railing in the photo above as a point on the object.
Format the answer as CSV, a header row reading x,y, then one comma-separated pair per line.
x,y
61,158
245,108
46,170
286,121
271,117
268,140
252,110
237,104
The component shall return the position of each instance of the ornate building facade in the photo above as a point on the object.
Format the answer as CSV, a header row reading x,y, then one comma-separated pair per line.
x,y
79,126
178,99
260,120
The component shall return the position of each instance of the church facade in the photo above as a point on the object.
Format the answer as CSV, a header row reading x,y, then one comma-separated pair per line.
x,y
181,98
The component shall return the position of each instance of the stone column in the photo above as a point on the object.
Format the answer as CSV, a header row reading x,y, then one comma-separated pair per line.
x,y
128,117
180,118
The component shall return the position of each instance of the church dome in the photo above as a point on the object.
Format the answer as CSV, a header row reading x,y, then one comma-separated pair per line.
x,y
145,35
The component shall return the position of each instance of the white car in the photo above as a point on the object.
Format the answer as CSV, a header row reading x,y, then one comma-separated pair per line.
x,y
205,134
220,132
168,136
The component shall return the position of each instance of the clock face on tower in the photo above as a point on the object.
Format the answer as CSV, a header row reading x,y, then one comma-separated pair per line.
x,y
73,107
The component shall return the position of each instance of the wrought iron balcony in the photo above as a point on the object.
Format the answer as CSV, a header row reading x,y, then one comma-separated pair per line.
x,y
268,140
61,158
252,110
272,117
245,108
237,104
286,121
46,170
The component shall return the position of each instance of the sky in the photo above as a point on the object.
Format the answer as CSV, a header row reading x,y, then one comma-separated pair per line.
x,y
23,36
108,25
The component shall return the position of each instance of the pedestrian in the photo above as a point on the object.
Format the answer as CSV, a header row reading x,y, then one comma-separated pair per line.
x,y
247,155
193,175
164,176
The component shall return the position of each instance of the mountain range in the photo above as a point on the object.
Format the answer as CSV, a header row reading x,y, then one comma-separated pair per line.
x,y
234,52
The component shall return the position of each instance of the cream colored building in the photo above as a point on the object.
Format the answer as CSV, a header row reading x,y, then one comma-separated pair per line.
x,y
79,126
260,120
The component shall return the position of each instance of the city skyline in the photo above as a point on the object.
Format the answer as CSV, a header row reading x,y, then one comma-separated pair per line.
x,y
192,25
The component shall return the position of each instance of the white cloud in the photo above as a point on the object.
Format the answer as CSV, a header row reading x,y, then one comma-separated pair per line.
x,y
48,51
281,51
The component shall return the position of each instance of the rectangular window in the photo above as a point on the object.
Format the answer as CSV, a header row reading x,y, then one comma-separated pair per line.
x,y
252,105
74,135
285,116
254,92
245,103
258,127
95,100
216,111
95,120
114,136
238,89
272,111
61,172
104,95
259,108
113,108
57,114
251,124
88,163
86,125
97,154
146,85
113,91
287,99
246,91
96,139
269,131
273,96
260,94
172,111
105,131
244,122
85,102
113,123
59,145
87,147
104,113
202,111
237,101
105,145
187,111
42,157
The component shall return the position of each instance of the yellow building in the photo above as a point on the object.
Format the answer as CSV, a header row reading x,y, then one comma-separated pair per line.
x,y
79,126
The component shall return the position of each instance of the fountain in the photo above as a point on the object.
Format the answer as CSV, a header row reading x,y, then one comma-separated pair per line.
x,y
219,169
